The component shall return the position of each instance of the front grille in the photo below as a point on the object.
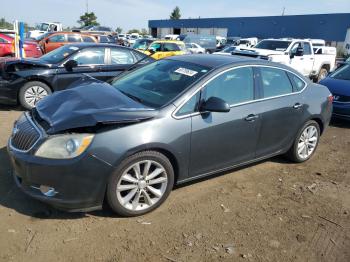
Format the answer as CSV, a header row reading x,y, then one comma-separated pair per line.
x,y
341,98
24,135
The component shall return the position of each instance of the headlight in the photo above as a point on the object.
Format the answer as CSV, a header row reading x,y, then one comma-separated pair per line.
x,y
64,146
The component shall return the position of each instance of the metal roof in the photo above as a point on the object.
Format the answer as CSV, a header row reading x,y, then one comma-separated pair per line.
x,y
330,27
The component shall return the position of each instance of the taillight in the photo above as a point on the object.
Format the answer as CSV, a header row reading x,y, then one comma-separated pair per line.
x,y
330,98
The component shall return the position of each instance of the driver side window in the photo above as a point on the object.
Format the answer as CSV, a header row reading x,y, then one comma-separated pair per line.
x,y
57,38
234,86
295,48
90,56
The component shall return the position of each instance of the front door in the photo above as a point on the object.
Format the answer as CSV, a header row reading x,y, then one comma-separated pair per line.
x,y
221,140
90,61
55,41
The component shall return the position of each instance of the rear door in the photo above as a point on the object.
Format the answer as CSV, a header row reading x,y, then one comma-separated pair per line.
x,y
280,109
118,60
89,62
221,140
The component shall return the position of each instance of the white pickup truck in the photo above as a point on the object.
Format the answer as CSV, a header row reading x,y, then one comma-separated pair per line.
x,y
296,53
43,28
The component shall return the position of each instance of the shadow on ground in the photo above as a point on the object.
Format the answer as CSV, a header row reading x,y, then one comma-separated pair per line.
x,y
12,198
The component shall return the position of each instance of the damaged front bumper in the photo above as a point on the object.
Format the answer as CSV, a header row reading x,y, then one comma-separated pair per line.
x,y
76,184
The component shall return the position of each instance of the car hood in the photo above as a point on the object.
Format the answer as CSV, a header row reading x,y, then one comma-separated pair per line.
x,y
17,64
89,104
337,86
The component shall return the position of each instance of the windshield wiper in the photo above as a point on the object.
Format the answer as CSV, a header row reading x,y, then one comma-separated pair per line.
x,y
135,98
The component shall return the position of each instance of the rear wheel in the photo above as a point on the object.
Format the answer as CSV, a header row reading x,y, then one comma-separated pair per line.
x,y
32,92
141,183
322,74
306,142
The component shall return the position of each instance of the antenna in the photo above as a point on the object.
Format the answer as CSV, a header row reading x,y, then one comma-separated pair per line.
x,y
284,9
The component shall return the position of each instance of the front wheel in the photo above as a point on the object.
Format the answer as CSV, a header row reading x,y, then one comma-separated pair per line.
x,y
306,142
141,183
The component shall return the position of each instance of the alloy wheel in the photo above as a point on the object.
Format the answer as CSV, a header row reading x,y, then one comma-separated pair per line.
x,y
307,142
34,94
142,185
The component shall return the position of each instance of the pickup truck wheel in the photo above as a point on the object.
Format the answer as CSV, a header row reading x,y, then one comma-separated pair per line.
x,y
322,74
32,92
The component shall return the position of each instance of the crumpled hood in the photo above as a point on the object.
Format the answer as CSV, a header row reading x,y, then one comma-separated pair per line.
x,y
89,104
257,51
16,64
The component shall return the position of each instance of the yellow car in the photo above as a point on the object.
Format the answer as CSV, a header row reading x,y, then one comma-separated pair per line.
x,y
165,48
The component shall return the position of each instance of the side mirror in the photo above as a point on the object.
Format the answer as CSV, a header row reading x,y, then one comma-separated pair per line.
x,y
70,64
47,41
299,52
151,51
215,104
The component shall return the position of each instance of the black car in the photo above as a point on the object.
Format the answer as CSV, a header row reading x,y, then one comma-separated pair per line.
x,y
29,80
172,121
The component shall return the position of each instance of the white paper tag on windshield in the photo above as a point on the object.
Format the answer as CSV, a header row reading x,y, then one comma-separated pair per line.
x,y
185,71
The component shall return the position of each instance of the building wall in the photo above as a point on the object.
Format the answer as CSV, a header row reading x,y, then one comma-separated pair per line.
x,y
330,27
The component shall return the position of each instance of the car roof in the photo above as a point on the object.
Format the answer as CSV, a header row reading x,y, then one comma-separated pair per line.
x,y
214,61
82,45
169,41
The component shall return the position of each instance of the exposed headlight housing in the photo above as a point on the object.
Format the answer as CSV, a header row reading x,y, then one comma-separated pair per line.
x,y
64,146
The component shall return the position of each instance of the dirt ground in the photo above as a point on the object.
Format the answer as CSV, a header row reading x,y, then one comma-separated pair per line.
x,y
270,211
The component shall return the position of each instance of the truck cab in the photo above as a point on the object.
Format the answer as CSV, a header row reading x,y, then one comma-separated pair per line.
x,y
43,28
296,53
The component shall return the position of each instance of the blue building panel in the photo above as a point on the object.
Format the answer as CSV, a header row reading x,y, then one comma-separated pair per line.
x,y
330,27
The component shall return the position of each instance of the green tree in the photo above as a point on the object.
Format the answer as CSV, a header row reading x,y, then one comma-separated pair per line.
x,y
131,31
88,19
144,31
175,15
119,30
5,25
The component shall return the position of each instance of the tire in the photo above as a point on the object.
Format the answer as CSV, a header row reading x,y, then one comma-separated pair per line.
x,y
293,153
322,74
36,90
128,195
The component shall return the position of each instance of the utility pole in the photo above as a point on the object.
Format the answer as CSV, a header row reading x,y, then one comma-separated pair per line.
x,y
87,6
284,9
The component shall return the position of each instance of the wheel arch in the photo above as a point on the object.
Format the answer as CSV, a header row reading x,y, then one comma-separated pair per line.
x,y
158,148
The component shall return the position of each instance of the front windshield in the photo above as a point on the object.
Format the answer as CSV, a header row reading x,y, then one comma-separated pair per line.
x,y
342,73
229,49
59,54
156,84
134,37
275,45
42,27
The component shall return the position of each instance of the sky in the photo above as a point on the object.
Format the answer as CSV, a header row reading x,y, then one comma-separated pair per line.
x,y
129,14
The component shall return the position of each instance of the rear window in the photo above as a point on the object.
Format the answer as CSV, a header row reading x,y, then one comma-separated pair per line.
x,y
88,39
275,82
74,38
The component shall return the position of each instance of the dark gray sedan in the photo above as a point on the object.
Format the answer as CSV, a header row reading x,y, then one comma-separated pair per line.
x,y
169,122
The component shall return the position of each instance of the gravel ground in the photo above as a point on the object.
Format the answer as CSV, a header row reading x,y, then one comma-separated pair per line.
x,y
270,211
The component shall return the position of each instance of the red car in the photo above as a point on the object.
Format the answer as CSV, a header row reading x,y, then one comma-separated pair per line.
x,y
31,49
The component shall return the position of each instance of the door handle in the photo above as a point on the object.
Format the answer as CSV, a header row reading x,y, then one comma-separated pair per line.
x,y
251,118
297,106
